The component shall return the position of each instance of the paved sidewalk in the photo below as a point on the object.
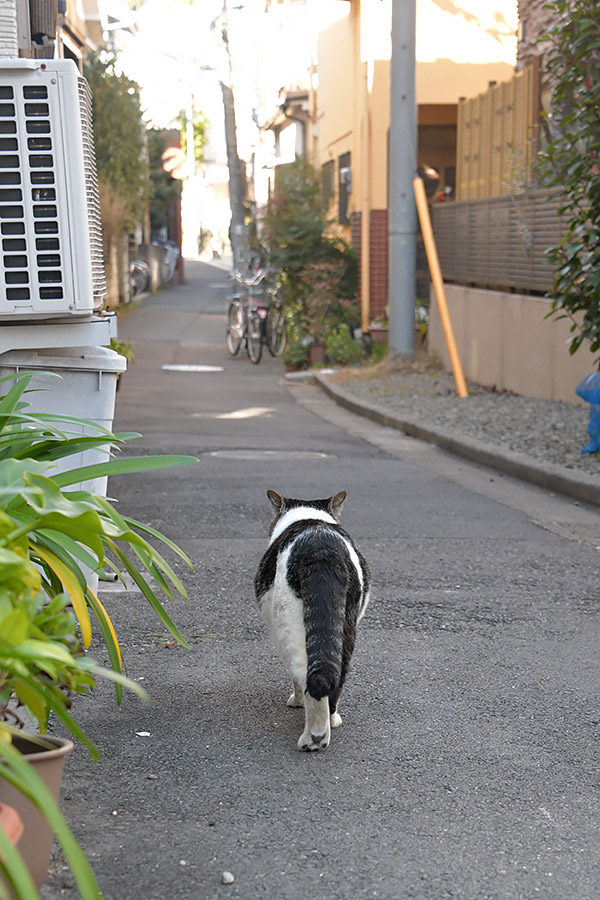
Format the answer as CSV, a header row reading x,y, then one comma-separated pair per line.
x,y
572,480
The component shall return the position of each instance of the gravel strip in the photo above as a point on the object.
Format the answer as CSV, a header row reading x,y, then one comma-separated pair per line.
x,y
546,430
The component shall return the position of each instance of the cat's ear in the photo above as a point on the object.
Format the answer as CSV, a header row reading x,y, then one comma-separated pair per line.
x,y
336,503
276,501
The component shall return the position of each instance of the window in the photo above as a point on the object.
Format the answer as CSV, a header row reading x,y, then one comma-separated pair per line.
x,y
344,187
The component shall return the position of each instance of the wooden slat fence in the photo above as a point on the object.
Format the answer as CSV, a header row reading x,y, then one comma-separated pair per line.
x,y
496,137
499,242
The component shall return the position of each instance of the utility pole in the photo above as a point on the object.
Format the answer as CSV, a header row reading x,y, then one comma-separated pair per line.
x,y
237,182
402,170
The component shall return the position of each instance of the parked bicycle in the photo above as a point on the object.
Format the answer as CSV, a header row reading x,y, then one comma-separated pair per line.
x,y
139,276
255,316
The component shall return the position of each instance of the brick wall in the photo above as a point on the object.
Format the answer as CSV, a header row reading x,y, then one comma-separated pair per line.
x,y
8,29
378,275
378,280
534,23
355,236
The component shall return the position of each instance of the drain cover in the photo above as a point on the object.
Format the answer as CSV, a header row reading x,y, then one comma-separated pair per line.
x,y
269,454
181,367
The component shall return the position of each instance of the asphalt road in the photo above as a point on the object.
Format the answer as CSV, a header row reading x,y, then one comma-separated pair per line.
x,y
467,764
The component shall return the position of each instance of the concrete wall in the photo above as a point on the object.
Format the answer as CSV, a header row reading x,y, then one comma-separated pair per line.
x,y
504,341
8,29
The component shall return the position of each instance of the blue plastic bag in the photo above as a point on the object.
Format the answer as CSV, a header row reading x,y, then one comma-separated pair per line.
x,y
589,390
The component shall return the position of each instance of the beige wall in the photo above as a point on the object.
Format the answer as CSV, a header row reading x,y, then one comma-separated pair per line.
x,y
445,81
335,103
353,96
379,105
504,341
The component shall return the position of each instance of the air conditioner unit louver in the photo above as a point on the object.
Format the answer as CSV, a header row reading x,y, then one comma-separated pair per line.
x,y
49,205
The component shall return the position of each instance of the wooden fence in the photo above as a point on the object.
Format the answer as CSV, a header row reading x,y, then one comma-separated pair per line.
x,y
499,242
496,137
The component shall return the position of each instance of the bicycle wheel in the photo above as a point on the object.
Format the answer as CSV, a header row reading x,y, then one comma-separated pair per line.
x,y
276,331
253,337
233,337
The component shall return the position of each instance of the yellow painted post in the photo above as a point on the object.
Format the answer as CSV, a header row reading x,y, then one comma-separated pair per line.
x,y
438,285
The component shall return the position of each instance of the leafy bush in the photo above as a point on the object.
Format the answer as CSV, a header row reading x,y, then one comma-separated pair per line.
x,y
63,531
295,228
47,534
379,352
570,163
298,342
342,349
119,140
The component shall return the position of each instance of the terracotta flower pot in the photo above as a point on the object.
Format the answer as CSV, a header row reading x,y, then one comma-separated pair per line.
x,y
11,823
317,356
379,333
36,843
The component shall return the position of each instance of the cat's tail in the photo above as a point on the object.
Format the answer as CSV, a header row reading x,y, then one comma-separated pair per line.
x,y
324,592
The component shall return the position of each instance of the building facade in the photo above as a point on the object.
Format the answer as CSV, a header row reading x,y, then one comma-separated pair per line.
x,y
535,21
37,30
458,52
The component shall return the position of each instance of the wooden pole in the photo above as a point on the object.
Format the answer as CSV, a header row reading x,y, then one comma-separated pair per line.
x,y
438,285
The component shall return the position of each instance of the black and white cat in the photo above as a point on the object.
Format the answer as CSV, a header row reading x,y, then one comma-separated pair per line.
x,y
312,587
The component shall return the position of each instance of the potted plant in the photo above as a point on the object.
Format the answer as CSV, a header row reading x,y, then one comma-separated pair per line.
x,y
323,310
41,662
48,535
379,329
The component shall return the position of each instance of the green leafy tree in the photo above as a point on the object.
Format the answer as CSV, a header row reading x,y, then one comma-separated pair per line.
x,y
120,142
295,229
570,163
200,124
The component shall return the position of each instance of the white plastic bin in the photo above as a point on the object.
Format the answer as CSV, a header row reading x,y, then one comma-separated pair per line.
x,y
86,389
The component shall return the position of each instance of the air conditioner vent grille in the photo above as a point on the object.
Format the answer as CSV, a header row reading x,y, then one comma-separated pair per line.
x,y
50,227
92,194
21,171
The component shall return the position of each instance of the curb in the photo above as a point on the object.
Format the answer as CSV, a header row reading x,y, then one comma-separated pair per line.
x,y
551,477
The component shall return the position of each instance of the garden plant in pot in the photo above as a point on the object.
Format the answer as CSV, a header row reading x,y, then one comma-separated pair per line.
x,y
323,312
318,268
49,535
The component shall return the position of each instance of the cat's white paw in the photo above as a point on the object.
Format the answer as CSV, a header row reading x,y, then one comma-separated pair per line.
x,y
310,741
295,700
336,720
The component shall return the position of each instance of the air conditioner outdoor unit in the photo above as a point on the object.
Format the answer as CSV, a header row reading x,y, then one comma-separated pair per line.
x,y
53,265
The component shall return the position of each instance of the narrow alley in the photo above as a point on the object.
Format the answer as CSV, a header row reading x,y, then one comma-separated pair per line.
x,y
467,762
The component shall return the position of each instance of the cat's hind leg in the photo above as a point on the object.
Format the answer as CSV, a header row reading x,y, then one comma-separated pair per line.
x,y
317,728
296,698
335,719
334,698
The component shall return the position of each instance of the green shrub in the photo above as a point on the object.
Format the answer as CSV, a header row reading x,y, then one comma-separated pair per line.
x,y
342,349
122,164
49,535
295,229
570,163
379,351
297,347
